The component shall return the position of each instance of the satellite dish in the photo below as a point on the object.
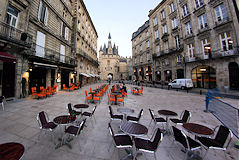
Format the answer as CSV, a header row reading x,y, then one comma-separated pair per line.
x,y
24,36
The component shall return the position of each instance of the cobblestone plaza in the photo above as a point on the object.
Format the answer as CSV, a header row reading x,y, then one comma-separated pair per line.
x,y
19,124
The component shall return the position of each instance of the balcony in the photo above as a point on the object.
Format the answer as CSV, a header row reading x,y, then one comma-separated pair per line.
x,y
165,36
48,55
203,29
222,22
11,34
85,55
219,54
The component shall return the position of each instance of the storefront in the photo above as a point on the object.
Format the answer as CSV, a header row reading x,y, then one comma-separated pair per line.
x,y
204,77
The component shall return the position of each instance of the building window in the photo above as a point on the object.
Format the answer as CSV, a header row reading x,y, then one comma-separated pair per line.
x,y
140,38
174,23
148,57
226,41
62,53
156,34
155,21
221,13
42,13
157,63
163,14
141,58
165,29
188,28
135,42
172,8
147,34
191,51
140,47
158,48
166,46
177,41
206,47
148,44
185,10
166,62
64,31
179,59
202,21
12,16
198,3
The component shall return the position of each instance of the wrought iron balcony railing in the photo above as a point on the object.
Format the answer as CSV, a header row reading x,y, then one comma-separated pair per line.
x,y
51,55
14,35
84,54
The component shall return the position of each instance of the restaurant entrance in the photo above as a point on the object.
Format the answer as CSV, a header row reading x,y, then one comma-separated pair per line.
x,y
37,78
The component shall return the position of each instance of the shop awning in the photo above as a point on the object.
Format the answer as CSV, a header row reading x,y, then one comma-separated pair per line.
x,y
85,74
5,57
91,75
43,65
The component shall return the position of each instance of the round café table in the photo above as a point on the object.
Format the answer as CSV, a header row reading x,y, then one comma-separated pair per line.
x,y
11,151
133,129
80,106
198,129
63,120
125,111
167,114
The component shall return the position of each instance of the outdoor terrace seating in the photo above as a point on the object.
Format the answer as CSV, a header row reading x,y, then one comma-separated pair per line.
x,y
188,143
45,124
220,142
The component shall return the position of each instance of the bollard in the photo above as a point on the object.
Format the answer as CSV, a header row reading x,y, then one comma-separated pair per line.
x,y
177,90
200,92
187,90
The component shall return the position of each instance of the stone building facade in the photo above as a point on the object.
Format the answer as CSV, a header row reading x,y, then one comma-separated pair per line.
x,y
211,41
51,25
40,45
197,40
111,63
14,41
167,42
142,53
85,40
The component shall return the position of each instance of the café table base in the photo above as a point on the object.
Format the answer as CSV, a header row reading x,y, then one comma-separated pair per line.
x,y
64,142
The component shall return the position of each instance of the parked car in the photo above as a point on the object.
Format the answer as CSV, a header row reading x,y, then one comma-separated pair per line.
x,y
181,83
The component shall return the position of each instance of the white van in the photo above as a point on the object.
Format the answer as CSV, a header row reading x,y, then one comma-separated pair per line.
x,y
181,83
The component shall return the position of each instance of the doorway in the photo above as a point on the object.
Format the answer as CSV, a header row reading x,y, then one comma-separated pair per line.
x,y
233,75
8,79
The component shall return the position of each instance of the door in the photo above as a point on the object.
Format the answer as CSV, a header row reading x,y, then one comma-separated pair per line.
x,y
40,44
233,75
8,79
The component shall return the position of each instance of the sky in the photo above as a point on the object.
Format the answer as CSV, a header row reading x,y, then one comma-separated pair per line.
x,y
119,17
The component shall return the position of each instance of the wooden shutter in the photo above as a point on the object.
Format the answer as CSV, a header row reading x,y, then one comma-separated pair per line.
x,y
46,16
39,10
66,33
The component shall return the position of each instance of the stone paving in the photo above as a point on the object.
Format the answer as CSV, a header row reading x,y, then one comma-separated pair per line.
x,y
18,124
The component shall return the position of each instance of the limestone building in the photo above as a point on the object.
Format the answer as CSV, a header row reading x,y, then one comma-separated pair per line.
x,y
211,38
85,40
142,53
167,42
14,41
41,42
110,63
197,40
